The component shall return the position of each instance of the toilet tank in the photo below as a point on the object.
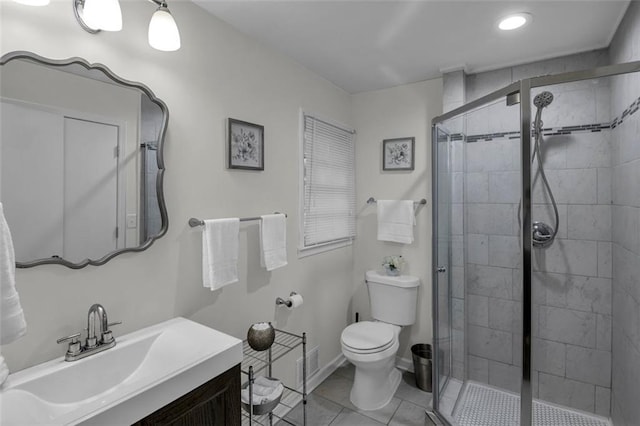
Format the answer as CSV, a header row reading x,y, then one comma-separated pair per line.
x,y
393,299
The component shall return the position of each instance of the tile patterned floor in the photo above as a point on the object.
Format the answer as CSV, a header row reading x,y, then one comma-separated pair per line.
x,y
329,404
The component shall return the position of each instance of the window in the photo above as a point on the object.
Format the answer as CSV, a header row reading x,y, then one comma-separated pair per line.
x,y
328,196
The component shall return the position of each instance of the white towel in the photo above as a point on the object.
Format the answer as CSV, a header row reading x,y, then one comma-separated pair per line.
x,y
220,242
264,390
4,370
396,220
273,241
12,322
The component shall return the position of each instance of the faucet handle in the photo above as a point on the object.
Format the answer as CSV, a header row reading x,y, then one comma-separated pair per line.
x,y
74,343
107,337
74,338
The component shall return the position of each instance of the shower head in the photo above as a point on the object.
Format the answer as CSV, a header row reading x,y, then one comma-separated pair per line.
x,y
543,99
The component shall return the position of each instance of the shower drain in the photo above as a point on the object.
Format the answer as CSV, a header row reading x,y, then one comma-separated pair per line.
x,y
480,405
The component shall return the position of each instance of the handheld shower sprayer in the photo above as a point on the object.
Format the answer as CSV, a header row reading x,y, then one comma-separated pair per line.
x,y
543,235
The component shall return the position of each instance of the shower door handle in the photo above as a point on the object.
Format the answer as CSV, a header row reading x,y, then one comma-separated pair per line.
x,y
441,269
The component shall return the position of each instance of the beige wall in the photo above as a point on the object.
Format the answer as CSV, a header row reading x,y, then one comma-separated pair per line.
x,y
402,111
218,73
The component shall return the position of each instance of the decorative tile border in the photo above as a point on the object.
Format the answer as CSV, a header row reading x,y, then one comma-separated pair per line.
x,y
554,131
567,130
626,113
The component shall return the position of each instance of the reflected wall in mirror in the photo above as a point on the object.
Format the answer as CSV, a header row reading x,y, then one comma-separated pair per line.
x,y
81,162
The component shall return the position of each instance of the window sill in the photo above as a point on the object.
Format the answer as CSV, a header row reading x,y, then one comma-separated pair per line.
x,y
310,251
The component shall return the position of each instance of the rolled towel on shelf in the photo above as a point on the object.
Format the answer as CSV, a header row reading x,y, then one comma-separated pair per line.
x,y
264,390
267,382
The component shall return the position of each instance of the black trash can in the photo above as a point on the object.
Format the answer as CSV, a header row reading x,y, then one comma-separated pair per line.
x,y
422,365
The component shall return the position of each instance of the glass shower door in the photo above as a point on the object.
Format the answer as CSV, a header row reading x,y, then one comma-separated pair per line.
x,y
477,263
442,249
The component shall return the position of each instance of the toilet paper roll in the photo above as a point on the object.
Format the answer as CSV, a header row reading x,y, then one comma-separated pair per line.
x,y
296,300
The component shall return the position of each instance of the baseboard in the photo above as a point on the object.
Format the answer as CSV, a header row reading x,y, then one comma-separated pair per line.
x,y
322,374
404,364
313,382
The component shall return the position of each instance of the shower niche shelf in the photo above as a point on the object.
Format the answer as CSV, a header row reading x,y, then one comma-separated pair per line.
x,y
256,362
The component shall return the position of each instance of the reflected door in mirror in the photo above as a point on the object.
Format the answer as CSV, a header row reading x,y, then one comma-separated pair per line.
x,y
91,223
60,178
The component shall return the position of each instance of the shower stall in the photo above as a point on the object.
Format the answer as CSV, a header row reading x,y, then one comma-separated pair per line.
x,y
536,252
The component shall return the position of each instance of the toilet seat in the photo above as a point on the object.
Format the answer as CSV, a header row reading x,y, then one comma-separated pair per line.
x,y
368,337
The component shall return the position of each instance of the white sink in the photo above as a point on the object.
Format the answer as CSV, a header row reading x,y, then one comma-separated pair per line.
x,y
145,371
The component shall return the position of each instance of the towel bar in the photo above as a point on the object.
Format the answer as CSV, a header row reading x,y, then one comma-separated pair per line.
x,y
193,222
373,200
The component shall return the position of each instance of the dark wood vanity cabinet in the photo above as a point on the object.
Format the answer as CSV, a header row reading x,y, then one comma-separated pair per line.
x,y
215,403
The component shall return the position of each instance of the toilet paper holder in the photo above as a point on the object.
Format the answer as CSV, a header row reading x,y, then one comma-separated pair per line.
x,y
286,302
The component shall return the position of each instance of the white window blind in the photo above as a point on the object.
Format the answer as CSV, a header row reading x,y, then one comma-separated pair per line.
x,y
328,183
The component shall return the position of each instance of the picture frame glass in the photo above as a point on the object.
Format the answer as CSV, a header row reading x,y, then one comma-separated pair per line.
x,y
398,154
246,145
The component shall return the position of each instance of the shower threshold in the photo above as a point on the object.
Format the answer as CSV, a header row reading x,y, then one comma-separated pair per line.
x,y
483,405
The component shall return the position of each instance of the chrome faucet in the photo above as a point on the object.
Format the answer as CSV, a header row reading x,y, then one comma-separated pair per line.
x,y
99,336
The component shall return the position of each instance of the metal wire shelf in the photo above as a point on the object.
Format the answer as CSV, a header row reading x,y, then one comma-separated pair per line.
x,y
254,362
290,398
284,343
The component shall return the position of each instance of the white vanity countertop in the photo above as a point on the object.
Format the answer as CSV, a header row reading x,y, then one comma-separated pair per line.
x,y
145,371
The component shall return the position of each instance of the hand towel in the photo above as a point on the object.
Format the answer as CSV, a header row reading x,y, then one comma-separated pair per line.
x,y
220,242
396,220
4,370
12,322
273,241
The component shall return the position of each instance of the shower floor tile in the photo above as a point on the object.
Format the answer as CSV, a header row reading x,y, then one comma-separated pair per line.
x,y
481,405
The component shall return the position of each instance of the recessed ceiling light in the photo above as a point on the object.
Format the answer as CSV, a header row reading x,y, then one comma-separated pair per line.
x,y
514,21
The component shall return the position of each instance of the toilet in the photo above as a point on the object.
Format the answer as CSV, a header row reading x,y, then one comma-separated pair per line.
x,y
371,346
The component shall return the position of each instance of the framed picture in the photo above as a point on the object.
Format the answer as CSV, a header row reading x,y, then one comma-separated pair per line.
x,y
397,154
245,145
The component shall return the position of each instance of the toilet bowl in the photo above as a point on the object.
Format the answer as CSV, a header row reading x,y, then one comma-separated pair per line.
x,y
371,346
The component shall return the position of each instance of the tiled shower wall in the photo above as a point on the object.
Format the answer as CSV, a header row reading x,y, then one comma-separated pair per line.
x,y
625,47
572,279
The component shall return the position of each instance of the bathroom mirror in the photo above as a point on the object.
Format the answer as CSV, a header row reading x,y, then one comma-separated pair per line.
x,y
81,161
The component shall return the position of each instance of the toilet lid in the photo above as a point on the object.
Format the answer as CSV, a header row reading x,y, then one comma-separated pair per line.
x,y
368,336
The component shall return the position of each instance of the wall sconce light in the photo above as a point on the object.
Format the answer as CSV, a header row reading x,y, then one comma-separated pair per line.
x,y
163,31
105,15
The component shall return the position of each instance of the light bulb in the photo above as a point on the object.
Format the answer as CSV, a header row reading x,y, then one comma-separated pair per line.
x,y
102,14
514,21
91,13
33,2
163,31
112,19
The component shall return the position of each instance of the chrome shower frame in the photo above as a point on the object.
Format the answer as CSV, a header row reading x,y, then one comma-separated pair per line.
x,y
522,87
